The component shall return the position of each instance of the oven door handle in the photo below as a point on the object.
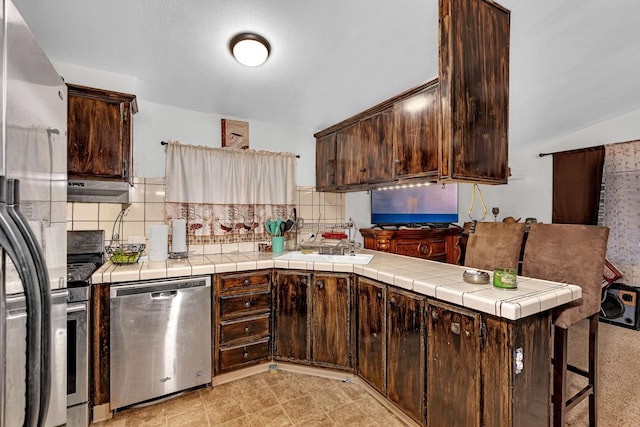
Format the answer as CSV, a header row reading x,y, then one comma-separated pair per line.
x,y
76,309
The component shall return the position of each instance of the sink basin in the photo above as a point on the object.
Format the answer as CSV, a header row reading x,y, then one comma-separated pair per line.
x,y
316,257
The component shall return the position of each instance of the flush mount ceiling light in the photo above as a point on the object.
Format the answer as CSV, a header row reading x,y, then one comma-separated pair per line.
x,y
250,49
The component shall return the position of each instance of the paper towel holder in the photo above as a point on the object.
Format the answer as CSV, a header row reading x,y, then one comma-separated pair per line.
x,y
179,255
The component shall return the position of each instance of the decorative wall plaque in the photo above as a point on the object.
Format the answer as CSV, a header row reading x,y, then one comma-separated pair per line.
x,y
235,134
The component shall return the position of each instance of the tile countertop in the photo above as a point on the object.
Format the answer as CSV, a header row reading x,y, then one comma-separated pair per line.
x,y
433,279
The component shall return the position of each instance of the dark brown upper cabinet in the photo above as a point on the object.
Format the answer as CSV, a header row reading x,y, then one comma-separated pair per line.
x,y
474,90
452,128
416,134
99,142
326,162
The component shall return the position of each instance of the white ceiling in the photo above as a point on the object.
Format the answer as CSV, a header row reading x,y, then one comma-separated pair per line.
x,y
573,62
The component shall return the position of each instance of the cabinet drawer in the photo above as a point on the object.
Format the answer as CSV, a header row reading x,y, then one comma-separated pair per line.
x,y
236,356
435,250
242,305
240,281
257,327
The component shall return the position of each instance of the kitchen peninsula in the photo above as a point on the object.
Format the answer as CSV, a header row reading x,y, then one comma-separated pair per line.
x,y
481,354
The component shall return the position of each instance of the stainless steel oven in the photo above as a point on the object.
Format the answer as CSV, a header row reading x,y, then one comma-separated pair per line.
x,y
78,315
85,250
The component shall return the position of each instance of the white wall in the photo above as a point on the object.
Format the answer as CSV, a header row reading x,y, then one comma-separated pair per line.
x,y
157,122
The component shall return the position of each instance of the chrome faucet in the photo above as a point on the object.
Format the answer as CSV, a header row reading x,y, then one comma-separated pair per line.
x,y
339,248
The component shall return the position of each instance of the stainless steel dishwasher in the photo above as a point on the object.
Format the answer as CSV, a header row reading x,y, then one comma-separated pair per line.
x,y
160,338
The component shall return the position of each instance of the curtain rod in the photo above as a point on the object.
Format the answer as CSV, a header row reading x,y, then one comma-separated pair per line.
x,y
166,143
577,150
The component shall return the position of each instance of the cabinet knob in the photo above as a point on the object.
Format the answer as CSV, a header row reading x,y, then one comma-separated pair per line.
x,y
245,354
304,281
246,282
375,335
434,315
246,329
247,304
392,300
396,162
467,334
379,294
455,328
320,284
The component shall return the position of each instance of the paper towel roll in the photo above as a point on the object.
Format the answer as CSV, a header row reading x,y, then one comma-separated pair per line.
x,y
158,242
179,236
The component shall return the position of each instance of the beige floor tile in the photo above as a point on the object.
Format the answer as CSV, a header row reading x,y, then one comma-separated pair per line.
x,y
257,399
274,416
265,400
225,409
185,403
302,408
350,415
194,418
318,421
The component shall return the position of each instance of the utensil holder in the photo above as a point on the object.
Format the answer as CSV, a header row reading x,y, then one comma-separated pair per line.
x,y
277,244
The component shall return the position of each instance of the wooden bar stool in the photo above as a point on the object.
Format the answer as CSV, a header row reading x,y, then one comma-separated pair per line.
x,y
494,244
574,254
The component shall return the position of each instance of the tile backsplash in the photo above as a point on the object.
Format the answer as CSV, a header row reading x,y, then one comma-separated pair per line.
x,y
319,210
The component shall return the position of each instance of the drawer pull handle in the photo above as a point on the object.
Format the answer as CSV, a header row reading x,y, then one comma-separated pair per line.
x,y
246,282
245,354
247,304
246,329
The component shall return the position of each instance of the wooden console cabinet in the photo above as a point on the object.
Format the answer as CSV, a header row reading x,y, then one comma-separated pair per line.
x,y
436,244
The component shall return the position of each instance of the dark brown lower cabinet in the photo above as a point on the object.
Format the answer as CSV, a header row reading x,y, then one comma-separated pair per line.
x,y
331,324
406,352
291,316
453,367
372,333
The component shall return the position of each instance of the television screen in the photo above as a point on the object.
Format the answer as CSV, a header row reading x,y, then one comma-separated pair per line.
x,y
415,205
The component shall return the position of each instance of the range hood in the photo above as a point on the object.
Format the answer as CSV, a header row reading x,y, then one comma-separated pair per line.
x,y
93,191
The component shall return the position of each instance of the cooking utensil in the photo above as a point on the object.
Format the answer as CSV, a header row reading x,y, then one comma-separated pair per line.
x,y
283,226
270,226
288,225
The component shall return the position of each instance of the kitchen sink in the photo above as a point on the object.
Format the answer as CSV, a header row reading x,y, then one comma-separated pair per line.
x,y
316,257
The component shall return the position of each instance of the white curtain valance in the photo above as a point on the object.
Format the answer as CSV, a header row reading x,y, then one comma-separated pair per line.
x,y
224,191
198,174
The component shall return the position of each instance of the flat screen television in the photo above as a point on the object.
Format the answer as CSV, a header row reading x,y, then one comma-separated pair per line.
x,y
427,204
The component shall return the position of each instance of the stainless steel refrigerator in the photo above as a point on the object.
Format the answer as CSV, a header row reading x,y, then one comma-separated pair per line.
x,y
33,115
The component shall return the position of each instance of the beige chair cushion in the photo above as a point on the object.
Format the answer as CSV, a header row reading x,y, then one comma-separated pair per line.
x,y
568,253
494,244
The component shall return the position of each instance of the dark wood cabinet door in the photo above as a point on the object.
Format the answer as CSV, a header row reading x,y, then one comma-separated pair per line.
x,y
376,133
331,320
405,353
417,134
99,133
474,90
453,366
371,323
348,153
291,316
326,162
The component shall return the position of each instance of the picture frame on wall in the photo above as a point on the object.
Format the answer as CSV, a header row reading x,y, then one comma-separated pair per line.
x,y
235,134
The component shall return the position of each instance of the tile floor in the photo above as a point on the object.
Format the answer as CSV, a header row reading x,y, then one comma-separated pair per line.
x,y
267,399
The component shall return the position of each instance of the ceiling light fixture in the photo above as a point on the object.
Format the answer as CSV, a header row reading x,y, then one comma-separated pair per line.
x,y
250,49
